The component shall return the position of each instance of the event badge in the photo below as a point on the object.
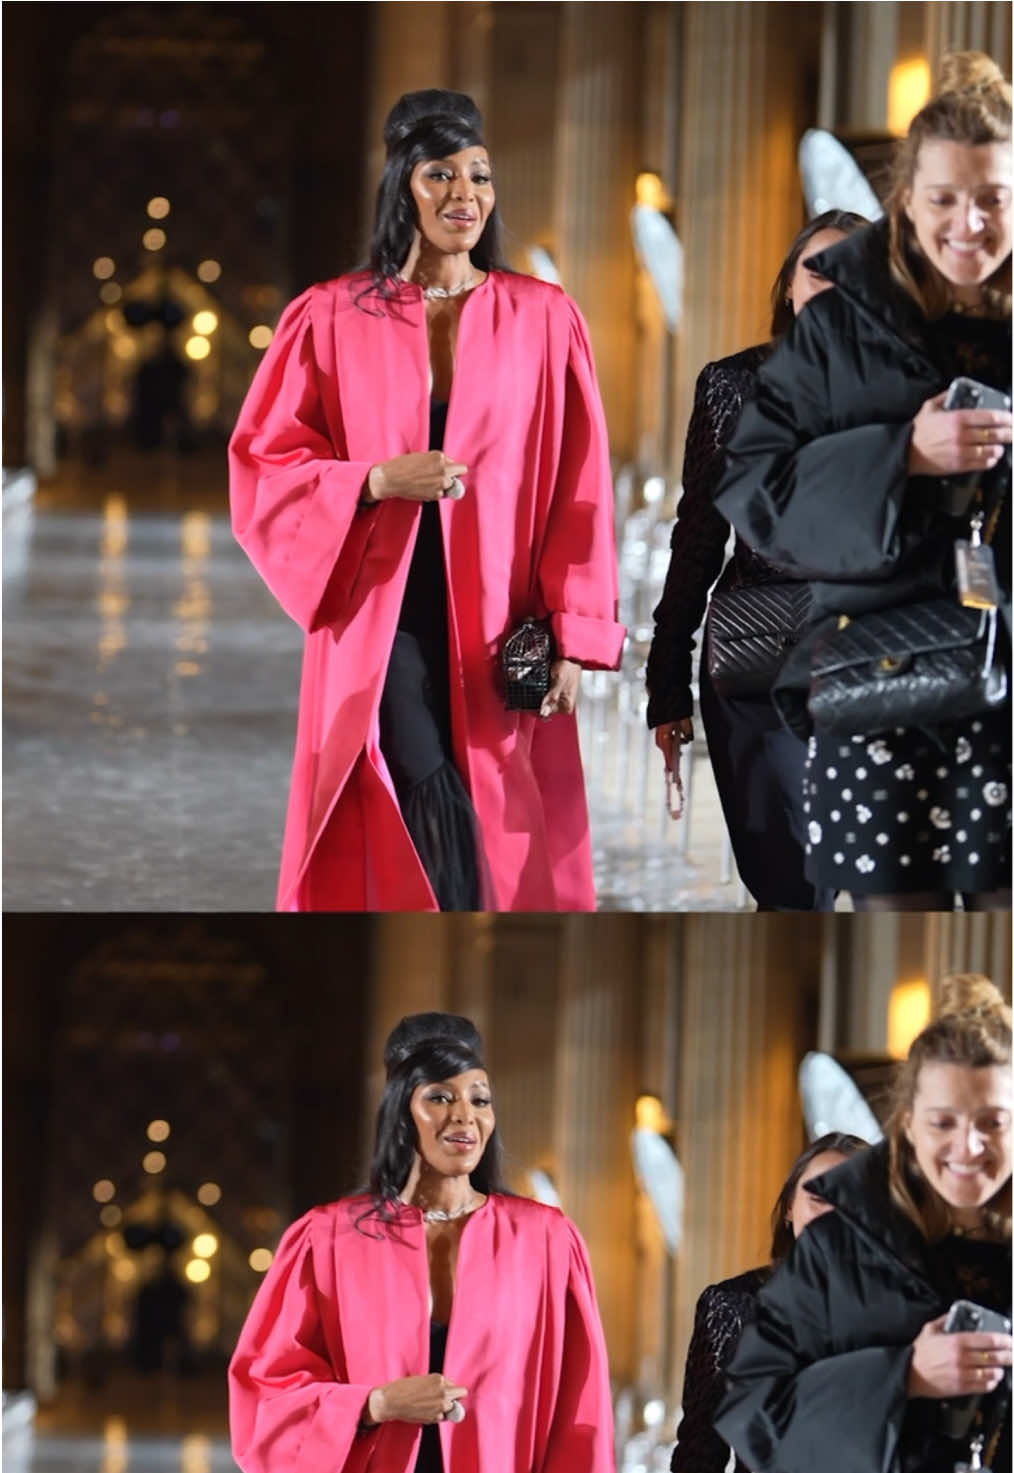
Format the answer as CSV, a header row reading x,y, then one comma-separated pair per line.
x,y
975,570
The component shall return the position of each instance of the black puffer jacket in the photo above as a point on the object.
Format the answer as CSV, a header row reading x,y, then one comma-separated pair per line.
x,y
700,534
816,472
819,1380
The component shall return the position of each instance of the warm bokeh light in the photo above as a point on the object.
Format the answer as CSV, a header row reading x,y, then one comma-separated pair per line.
x,y
908,1012
197,348
110,292
154,239
153,1163
197,1270
260,1260
195,1449
110,1216
260,336
208,1193
205,322
158,1130
115,1246
103,1191
651,191
124,347
158,207
124,1270
907,90
115,321
209,271
650,1114
103,268
205,1245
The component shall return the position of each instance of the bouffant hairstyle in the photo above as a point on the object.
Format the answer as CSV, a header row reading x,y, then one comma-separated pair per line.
x,y
972,105
972,1028
842,1144
448,128
422,1049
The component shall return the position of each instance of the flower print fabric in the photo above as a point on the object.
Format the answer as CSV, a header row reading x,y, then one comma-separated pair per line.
x,y
876,827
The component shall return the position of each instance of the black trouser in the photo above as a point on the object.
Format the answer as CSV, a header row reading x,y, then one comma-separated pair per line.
x,y
758,767
415,738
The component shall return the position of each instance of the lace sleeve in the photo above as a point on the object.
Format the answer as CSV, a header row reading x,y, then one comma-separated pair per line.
x,y
698,539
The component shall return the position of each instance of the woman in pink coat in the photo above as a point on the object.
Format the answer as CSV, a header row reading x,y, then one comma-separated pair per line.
x,y
420,464
435,1324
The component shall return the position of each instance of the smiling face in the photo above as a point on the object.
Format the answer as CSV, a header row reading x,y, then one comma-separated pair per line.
x,y
960,1130
454,1120
960,208
453,198
805,1206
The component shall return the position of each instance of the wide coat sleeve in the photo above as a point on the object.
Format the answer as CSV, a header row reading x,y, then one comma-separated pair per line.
x,y
577,573
798,1397
817,472
294,495
698,547
718,1325
289,1406
580,1436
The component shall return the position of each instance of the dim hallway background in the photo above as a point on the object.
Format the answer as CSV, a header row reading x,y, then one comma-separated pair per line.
x,y
177,1090
181,182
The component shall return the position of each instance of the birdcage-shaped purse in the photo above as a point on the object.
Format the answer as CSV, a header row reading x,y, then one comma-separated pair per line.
x,y
526,658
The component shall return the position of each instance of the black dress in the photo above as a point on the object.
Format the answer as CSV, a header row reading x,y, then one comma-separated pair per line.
x,y
415,720
430,1459
723,1311
758,764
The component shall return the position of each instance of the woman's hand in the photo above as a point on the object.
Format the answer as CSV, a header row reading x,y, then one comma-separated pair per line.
x,y
424,475
670,737
948,441
414,1399
564,684
966,1364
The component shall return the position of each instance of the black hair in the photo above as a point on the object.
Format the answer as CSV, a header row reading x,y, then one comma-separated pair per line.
x,y
419,1028
782,314
434,1058
435,136
838,1141
430,102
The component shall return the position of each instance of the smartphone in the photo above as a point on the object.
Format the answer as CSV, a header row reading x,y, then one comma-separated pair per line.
x,y
965,1315
968,393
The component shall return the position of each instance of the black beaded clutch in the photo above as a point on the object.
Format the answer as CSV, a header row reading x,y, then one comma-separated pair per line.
x,y
528,652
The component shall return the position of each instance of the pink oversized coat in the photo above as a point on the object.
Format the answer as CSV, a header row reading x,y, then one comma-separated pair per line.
x,y
339,389
341,1312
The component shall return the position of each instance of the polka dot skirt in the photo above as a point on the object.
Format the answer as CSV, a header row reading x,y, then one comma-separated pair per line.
x,y
901,811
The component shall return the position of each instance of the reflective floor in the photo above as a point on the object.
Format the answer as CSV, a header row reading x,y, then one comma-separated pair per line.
x,y
150,692
119,1453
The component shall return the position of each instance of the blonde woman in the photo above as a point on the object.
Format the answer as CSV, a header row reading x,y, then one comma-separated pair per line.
x,y
849,1365
842,469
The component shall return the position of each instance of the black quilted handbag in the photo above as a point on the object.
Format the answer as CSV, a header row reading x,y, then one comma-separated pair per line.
x,y
918,665
749,632
526,658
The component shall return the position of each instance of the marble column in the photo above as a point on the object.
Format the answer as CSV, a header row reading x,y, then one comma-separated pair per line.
x,y
524,51
749,987
747,71
596,1088
968,25
522,1042
410,48
969,943
597,163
